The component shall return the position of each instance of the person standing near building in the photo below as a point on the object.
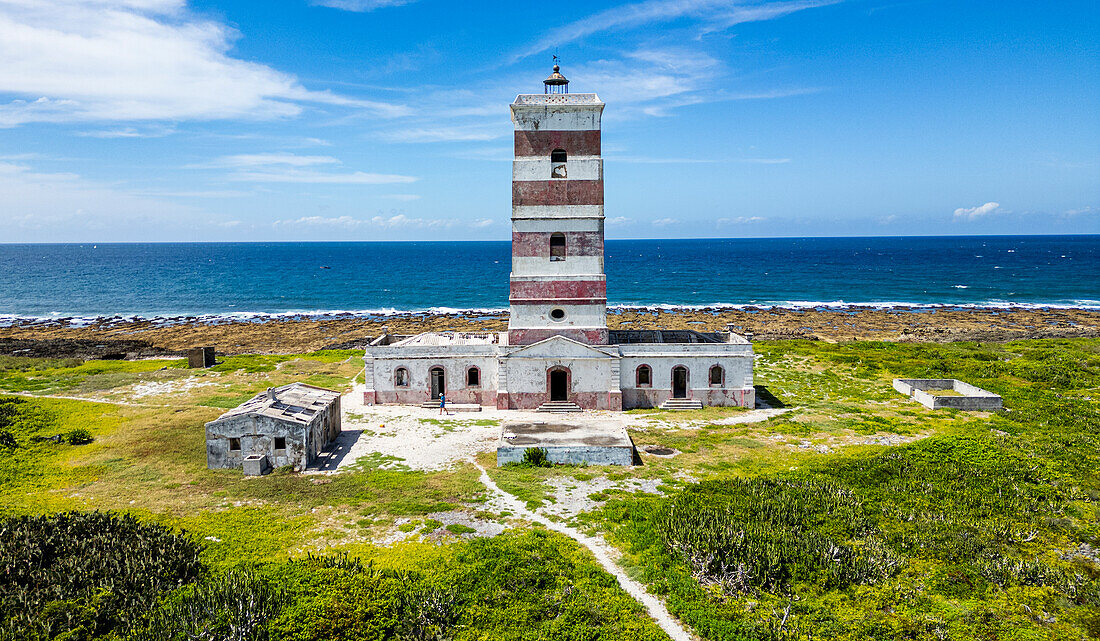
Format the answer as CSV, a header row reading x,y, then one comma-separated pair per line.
x,y
442,402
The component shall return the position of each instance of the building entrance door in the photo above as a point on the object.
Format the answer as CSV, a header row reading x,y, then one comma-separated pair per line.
x,y
679,382
559,385
439,385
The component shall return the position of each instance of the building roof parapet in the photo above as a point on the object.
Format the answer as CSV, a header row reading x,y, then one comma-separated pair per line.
x,y
543,99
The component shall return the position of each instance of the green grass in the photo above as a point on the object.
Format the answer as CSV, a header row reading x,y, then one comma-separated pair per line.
x,y
980,511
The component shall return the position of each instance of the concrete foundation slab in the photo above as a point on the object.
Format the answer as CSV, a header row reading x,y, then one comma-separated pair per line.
x,y
964,396
588,442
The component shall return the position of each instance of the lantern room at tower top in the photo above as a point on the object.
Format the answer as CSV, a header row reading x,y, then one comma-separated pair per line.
x,y
558,351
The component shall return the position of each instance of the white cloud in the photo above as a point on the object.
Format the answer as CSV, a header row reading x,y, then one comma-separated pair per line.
x,y
455,133
973,213
268,159
715,15
740,220
619,220
291,168
1088,209
130,60
393,221
64,207
482,223
361,5
664,222
129,132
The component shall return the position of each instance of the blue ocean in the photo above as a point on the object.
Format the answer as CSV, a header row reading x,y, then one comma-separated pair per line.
x,y
262,279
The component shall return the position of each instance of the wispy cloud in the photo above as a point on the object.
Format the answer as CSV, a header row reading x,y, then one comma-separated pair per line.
x,y
360,5
457,133
292,168
619,220
741,220
665,222
129,132
393,221
139,60
715,15
973,213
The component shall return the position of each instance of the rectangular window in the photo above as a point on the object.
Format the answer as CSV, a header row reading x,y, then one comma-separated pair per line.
x,y
234,445
280,442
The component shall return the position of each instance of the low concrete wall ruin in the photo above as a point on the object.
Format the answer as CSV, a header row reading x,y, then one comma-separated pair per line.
x,y
973,398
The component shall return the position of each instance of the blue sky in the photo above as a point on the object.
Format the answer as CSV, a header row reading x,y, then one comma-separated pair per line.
x,y
165,120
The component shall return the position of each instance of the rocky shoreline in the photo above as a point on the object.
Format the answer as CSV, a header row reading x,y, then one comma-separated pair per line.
x,y
136,338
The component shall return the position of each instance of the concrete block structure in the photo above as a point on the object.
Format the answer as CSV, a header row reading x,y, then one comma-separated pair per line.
x,y
286,425
965,396
558,348
568,443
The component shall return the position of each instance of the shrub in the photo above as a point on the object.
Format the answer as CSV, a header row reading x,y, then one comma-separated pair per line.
x,y
86,573
7,440
235,606
767,533
79,436
536,457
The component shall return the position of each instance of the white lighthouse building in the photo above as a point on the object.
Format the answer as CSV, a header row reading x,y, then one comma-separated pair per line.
x,y
558,352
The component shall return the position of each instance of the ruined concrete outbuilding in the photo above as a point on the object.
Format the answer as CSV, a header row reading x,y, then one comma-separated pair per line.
x,y
286,425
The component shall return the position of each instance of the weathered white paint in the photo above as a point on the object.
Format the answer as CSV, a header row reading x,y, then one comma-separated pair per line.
x,y
551,225
533,112
576,317
576,168
556,211
558,269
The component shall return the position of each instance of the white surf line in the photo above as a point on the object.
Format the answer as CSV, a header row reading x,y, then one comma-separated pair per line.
x,y
603,553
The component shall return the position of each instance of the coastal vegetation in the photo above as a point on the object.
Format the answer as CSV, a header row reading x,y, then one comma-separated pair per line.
x,y
850,512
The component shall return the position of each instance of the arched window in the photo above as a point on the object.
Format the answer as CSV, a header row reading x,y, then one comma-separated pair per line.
x,y
557,163
716,375
644,376
557,246
473,377
401,377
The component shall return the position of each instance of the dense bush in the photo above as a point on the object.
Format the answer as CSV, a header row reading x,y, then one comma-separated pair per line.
x,y
235,606
767,533
86,573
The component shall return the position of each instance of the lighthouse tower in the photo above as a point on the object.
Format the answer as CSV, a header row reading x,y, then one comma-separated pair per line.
x,y
557,285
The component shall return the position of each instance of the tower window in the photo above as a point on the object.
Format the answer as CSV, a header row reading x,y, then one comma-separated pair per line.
x,y
557,314
557,163
473,377
557,246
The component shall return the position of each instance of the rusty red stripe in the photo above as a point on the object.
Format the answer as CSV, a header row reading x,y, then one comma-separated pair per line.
x,y
557,290
541,143
537,243
557,192
528,336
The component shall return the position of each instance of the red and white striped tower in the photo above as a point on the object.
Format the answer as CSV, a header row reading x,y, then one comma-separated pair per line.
x,y
557,285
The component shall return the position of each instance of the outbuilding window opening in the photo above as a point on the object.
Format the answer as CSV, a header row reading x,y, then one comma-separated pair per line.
x,y
401,377
473,377
557,246
716,375
557,163
234,445
644,376
280,442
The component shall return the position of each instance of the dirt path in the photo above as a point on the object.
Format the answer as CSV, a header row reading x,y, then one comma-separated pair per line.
x,y
603,552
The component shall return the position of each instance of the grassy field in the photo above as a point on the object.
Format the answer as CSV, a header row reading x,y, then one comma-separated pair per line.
x,y
851,512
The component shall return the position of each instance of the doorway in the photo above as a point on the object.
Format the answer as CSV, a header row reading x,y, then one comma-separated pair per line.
x,y
559,385
679,381
439,385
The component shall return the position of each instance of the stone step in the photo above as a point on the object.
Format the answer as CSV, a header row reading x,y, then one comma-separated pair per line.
x,y
559,407
682,404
